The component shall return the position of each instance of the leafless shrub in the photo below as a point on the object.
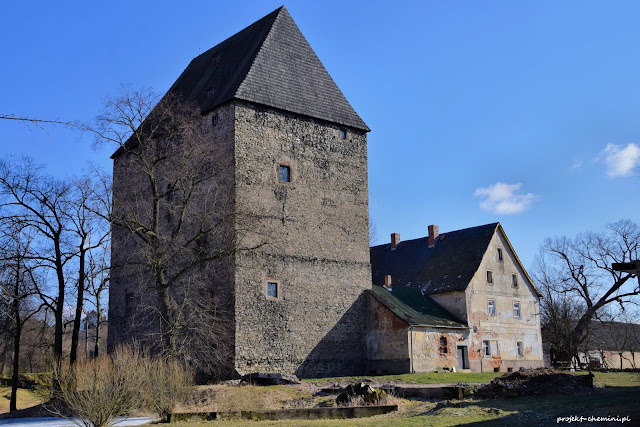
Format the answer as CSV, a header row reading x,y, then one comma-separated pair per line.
x,y
98,391
168,385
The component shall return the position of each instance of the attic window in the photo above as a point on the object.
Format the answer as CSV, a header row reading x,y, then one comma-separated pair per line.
x,y
211,91
214,120
514,280
443,345
490,277
343,134
500,255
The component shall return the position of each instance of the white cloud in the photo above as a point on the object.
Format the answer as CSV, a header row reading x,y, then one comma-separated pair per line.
x,y
502,198
620,160
577,164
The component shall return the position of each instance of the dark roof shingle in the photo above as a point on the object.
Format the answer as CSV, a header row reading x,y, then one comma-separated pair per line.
x,y
268,63
447,267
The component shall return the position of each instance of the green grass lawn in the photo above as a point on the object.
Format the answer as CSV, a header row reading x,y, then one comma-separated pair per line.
x,y
617,394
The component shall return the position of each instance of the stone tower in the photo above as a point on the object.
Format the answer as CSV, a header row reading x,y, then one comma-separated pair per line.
x,y
299,167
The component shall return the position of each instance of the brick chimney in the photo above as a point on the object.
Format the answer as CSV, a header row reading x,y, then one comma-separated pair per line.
x,y
387,282
433,235
395,239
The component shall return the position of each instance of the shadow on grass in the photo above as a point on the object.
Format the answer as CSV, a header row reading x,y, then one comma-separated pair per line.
x,y
603,402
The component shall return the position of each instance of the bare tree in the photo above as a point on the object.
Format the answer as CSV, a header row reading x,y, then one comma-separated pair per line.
x,y
17,287
91,230
172,219
578,281
32,200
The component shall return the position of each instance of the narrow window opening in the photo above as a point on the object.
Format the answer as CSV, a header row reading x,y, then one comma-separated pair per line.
x,y
284,173
214,120
490,277
514,280
500,254
443,345
519,349
486,348
492,307
272,289
343,134
496,369
516,309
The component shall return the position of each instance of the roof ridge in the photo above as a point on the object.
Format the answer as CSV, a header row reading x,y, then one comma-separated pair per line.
x,y
495,224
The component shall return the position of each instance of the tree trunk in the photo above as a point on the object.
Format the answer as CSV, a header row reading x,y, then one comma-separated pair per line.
x,y
96,348
73,355
16,367
16,342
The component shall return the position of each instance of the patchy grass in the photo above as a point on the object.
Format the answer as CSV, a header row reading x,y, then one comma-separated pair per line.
x,y
421,378
247,397
614,379
617,396
610,401
26,399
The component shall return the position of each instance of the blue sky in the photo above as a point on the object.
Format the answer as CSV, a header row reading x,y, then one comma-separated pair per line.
x,y
525,113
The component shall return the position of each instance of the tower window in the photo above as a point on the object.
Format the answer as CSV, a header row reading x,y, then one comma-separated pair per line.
x,y
284,173
343,134
272,289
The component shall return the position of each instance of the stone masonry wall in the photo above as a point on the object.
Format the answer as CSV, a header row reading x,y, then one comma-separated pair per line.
x,y
316,227
131,283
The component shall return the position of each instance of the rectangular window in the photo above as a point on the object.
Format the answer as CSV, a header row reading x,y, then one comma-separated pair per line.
x,y
490,277
500,254
516,309
486,348
519,349
272,289
285,173
514,280
443,345
492,307
343,133
494,348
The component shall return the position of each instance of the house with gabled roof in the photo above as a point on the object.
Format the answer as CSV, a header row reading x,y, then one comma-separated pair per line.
x,y
459,300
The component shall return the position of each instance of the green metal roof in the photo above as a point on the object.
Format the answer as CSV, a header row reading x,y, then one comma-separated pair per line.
x,y
414,308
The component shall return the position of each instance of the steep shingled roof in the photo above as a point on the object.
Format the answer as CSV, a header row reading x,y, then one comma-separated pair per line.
x,y
268,63
447,267
417,310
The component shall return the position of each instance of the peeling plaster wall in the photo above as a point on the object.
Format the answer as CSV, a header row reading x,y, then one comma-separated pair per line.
x,y
425,347
503,328
387,339
612,359
454,302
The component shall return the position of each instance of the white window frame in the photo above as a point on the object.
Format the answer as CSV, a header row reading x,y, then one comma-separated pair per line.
x,y
519,310
491,303
486,348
